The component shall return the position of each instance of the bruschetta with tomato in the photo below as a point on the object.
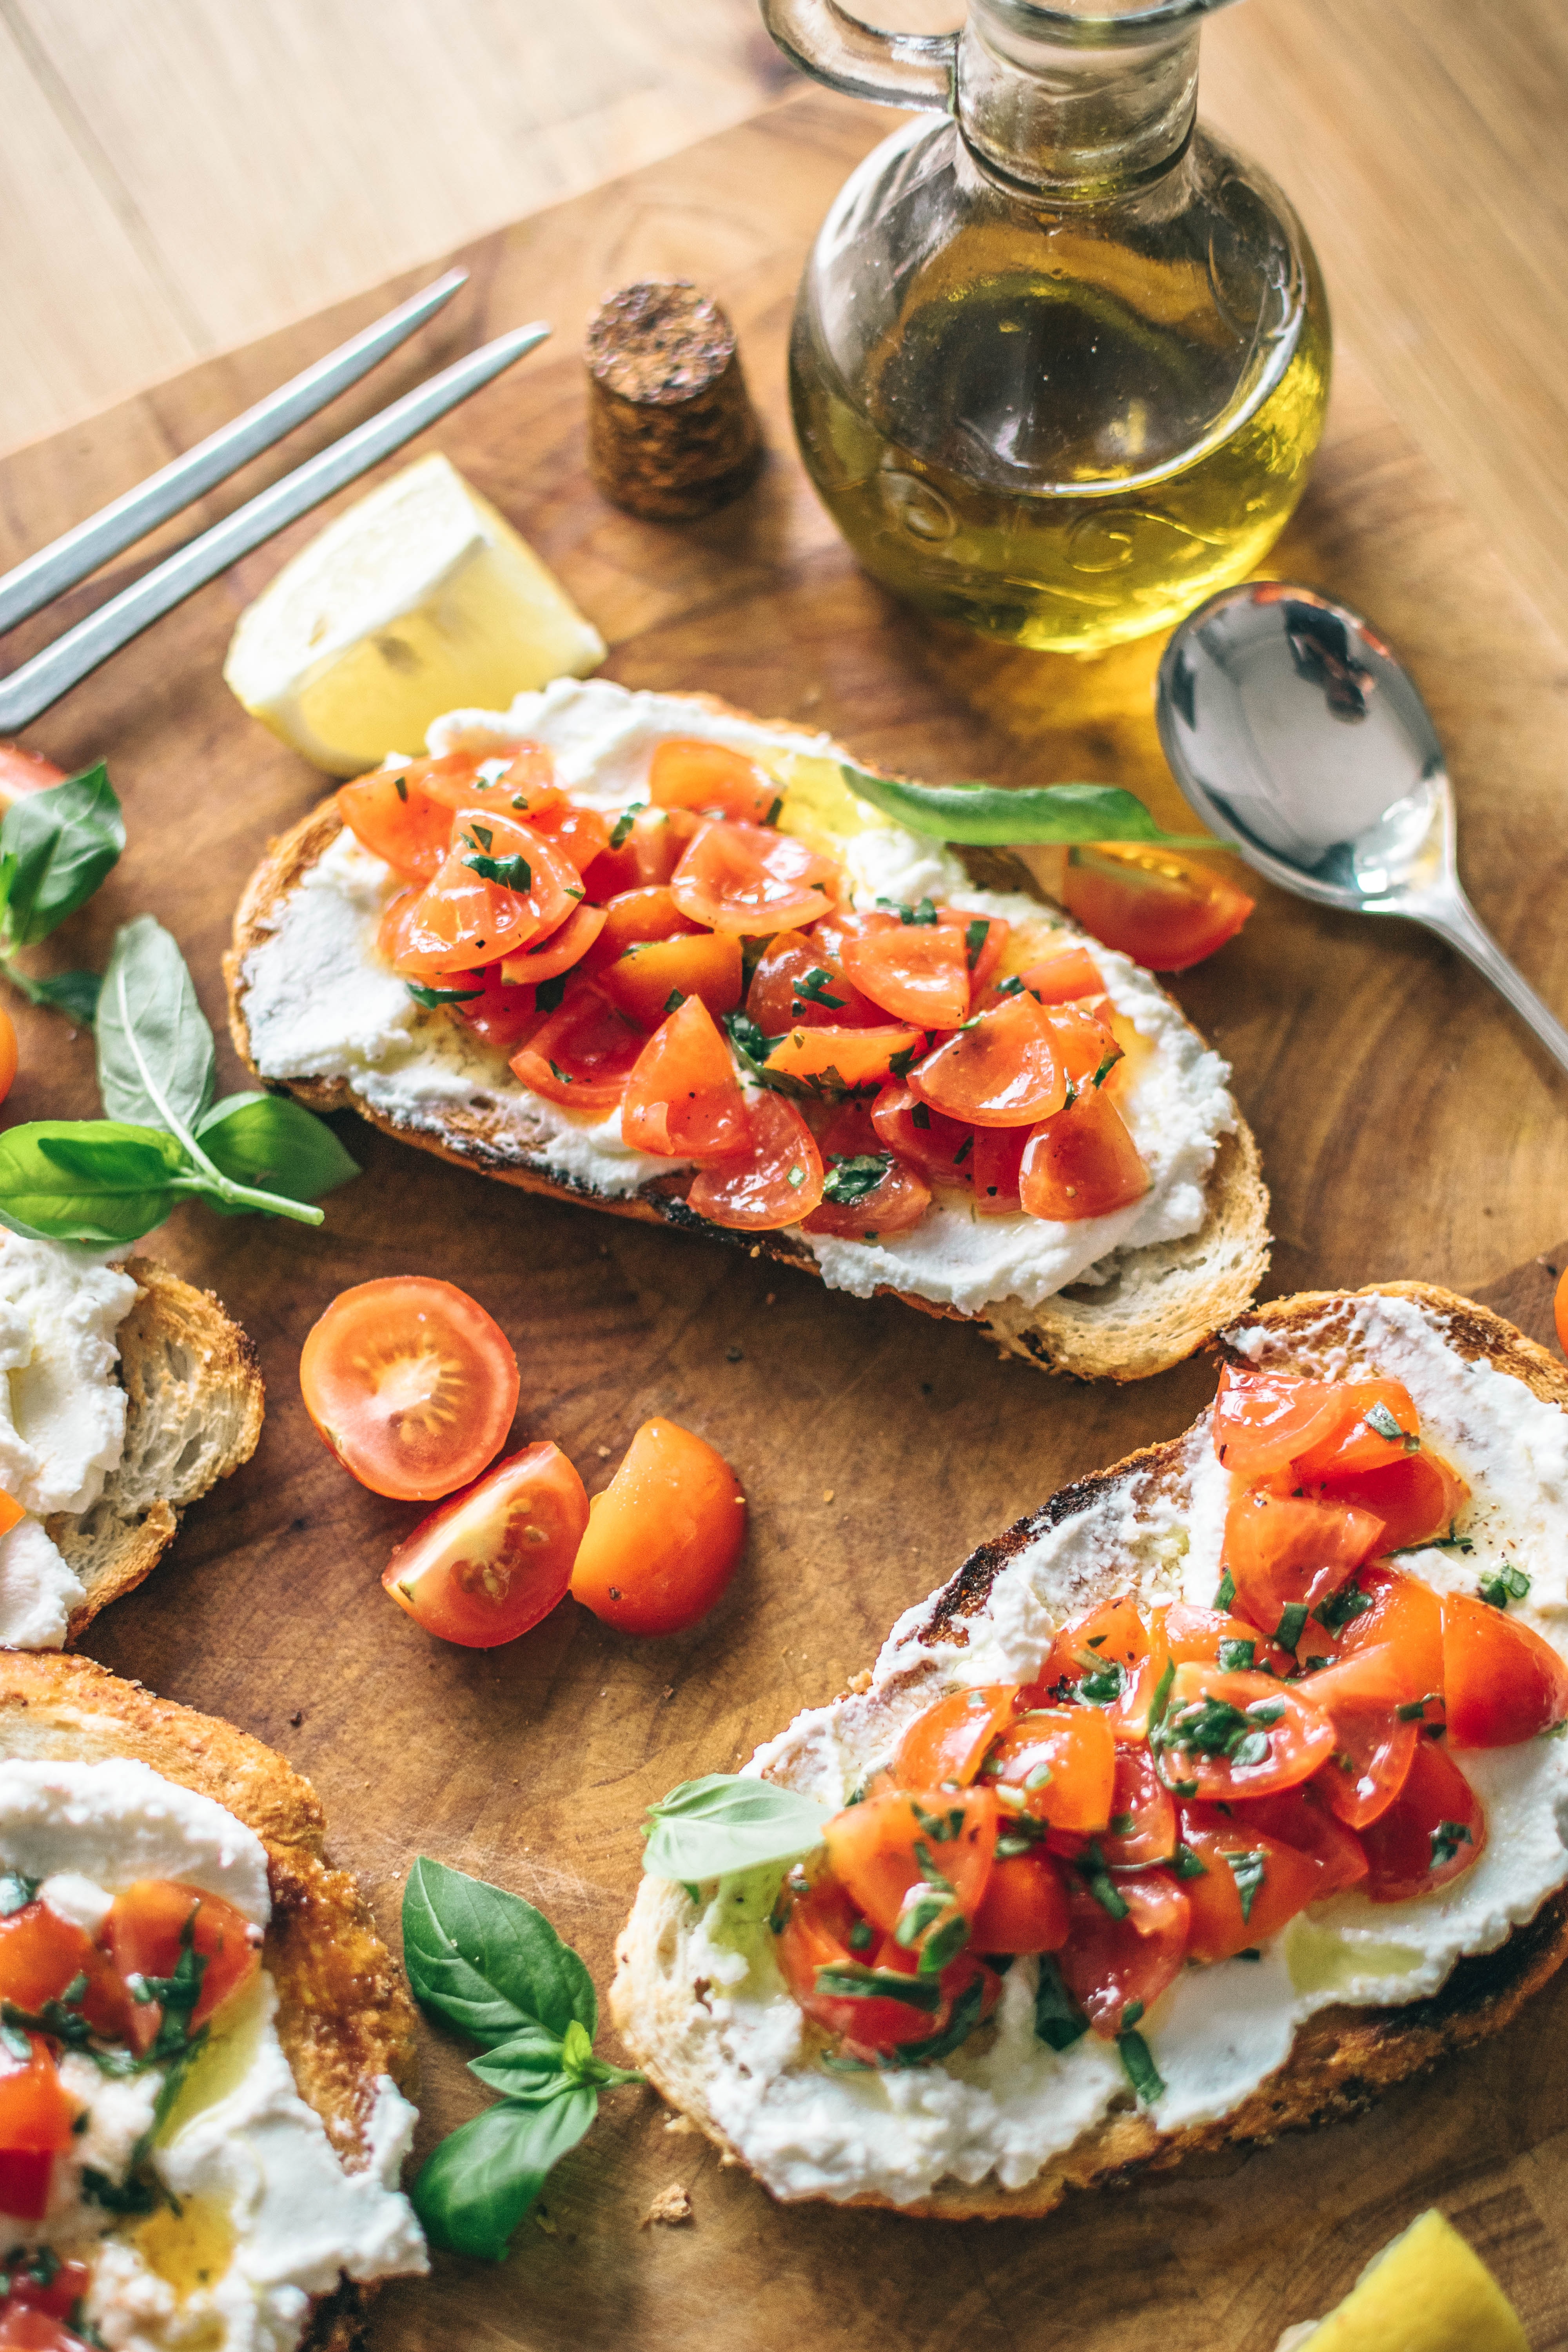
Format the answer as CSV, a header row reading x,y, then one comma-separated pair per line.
x,y
643,950
1223,1791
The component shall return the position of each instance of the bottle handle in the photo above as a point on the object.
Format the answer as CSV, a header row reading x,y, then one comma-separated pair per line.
x,y
910,69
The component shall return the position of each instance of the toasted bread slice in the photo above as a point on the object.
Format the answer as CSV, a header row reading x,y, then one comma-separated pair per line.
x,y
345,2017
1160,1303
195,1401
1340,2057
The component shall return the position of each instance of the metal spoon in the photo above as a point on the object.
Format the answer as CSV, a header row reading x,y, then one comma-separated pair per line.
x,y
1295,734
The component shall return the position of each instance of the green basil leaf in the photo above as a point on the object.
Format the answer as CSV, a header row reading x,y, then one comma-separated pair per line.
x,y
155,1063
55,847
528,2067
275,1143
727,1821
74,994
488,1963
94,1181
981,813
482,2180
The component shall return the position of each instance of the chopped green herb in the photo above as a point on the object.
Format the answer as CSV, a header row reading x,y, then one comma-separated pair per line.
x,y
1141,2069
625,823
1447,1840
775,810
815,990
853,1980
1236,1658
1058,2020
1450,1542
860,1936
557,1072
1120,1823
1186,1865
1226,1593
975,935
1162,1698
400,788
901,1064
1293,1625
1380,1420
1106,1066
1103,1686
15,1892
549,993
1349,1602
512,873
1041,1778
1103,1887
431,997
920,1115
675,1000
1415,1709
1249,1871
852,1178
964,1148
1510,1583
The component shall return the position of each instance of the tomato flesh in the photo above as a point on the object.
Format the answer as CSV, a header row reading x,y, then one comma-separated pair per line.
x,y
648,856
147,1930
798,984
817,1935
1143,1814
945,1747
743,877
996,1163
1501,1682
845,1057
632,918
881,1849
1362,1444
1062,1762
1002,1072
1023,1908
1166,910
499,1011
1282,1551
1062,978
942,1148
1263,1421
1299,1817
666,1536
1081,1162
683,1100
563,947
650,981
1415,1496
915,972
582,1054
1252,1885
404,814
1404,1615
689,774
1110,1964
775,1180
410,1384
463,917
1229,1735
1418,1843
1113,1660
497,1557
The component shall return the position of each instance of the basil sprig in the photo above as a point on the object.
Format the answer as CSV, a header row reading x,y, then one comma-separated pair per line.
x,y
108,1180
981,814
728,1821
55,847
491,1965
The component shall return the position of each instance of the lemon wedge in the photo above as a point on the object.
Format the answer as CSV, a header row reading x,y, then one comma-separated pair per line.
x,y
1427,2292
419,599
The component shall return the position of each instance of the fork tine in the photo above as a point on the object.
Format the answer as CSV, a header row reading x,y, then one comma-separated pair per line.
x,y
43,680
113,528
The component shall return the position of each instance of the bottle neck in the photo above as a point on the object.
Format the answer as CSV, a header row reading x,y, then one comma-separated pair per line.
x,y
1076,124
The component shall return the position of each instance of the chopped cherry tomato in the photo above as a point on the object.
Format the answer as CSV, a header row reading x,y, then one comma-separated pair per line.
x,y
1404,1614
1081,1162
689,774
1373,1743
7,1053
1502,1682
1282,1551
916,972
982,948
897,1200
1199,1634
581,834
648,854
1363,1444
817,1934
40,1953
799,985
944,1746
665,1536
1024,1907
1229,1735
1085,1047
683,1100
36,2111
497,1557
743,877
68,2285
1379,1676
853,1058
1262,1421
1108,1964
881,1849
1113,1660
499,1012
22,2327
410,1384
1143,1816
1432,1832
702,965
1415,1497
1000,1071
1061,978
1300,1818
1063,1763
1164,911
940,1148
583,1052
996,1163
1252,1883
777,1180
468,915
632,919
22,772
556,953
404,814
149,1925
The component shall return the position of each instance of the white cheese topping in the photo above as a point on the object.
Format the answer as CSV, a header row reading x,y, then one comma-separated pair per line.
x,y
261,2213
320,1004
1009,2104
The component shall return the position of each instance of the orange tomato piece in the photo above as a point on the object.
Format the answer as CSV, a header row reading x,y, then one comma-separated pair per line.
x,y
1000,1070
1064,976
582,1054
22,772
666,1536
1359,1443
1362,1695
632,918
12,1512
1252,1883
845,1057
1501,1682
916,972
497,1557
746,878
410,1384
1281,1550
1166,910
1111,1964
1196,1634
997,1164
8,1055
817,1935
942,1148
464,917
1081,1162
689,774
1023,1908
404,814
1404,1615
1263,1420
1143,1814
1112,1658
1062,1760
581,835
882,1848
1085,1047
40,1953
945,1747
1434,1830
149,1925
491,1006
897,1199
1415,1496
683,1100
1300,1818
702,966
798,984
36,2111
564,946
1272,1738
777,1180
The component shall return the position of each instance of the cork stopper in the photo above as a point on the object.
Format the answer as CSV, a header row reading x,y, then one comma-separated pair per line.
x,y
671,430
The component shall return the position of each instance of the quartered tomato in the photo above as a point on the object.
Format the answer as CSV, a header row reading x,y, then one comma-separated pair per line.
x,y
881,1849
1373,1742
1113,1659
743,877
410,1384
665,1536
1229,1735
149,1925
498,1010
42,1953
1000,1071
1382,1427
1062,1762
1415,1496
649,850
798,985
986,939
558,951
942,1148
1252,1883
1502,1682
688,773
1081,1162
634,917
1166,910
23,2329
945,1747
872,1190
37,2112
497,1557
22,772
1262,1421
1403,1614
916,972
1299,1817
683,1100
404,814
1214,1637
1023,1908
1143,1816
1086,1048
1282,1551
1432,1832
1063,977
581,833
777,1180
650,980
845,1057
68,2282
823,1931
500,885
582,1054
1109,1964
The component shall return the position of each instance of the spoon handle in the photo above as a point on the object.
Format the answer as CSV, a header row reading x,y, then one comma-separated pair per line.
x,y
1454,919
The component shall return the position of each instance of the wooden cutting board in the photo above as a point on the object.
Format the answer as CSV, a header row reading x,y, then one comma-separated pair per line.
x,y
1407,1124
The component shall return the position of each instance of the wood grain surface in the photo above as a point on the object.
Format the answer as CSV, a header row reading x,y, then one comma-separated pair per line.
x,y
1408,1128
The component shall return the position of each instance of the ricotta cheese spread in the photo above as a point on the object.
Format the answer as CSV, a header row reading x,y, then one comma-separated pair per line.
x,y
320,1004
1005,2103
258,2211
62,1419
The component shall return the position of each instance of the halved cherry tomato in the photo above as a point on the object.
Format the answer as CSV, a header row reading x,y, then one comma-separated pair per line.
x,y
916,972
1113,1659
1262,1421
985,938
704,965
847,1057
558,951
1085,1047
582,1054
1252,1883
1166,910
942,1148
1404,1614
896,1199
997,1163
689,774
1061,978
1000,1071
1373,1743
410,1384
1281,1550
68,2284
945,1747
581,835
151,1923
882,1848
817,1934
1081,1162
1229,1735
40,1953
648,854
23,2329
1109,1963
1062,1761
499,1012
462,918
777,1180
1024,1907
1362,1443
799,985
1142,1815
1415,1497
683,1100
22,772
1199,1634
497,1557
404,814
8,1053
1432,1832
665,1536
1299,1817
743,877
632,917
1502,1682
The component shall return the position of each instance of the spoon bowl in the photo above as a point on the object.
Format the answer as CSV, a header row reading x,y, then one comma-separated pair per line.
x,y
1295,732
